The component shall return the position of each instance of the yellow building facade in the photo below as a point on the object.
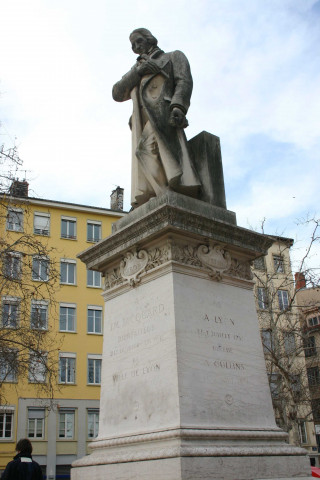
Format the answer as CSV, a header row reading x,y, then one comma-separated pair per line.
x,y
69,311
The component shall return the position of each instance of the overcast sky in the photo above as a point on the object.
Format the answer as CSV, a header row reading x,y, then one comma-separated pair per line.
x,y
256,71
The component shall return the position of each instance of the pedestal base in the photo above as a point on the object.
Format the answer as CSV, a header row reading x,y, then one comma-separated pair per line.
x,y
185,394
204,468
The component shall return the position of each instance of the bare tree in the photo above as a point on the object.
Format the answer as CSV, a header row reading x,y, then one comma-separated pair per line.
x,y
283,337
28,281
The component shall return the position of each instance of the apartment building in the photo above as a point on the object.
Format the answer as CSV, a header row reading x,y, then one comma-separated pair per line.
x,y
308,300
67,310
284,345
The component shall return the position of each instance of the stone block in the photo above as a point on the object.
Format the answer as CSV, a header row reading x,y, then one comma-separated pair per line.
x,y
206,153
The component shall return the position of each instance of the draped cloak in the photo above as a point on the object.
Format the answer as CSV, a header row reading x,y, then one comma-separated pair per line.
x,y
153,97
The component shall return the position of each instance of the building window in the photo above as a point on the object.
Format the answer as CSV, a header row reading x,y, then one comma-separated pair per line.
x,y
309,345
94,319
94,369
8,366
66,424
267,340
67,317
12,266
15,219
289,342
36,422
274,382
313,321
259,263
278,263
283,299
67,368
303,432
39,315
40,269
93,231
41,223
93,423
296,384
38,367
68,271
69,228
262,298
316,410
6,424
10,312
93,279
313,376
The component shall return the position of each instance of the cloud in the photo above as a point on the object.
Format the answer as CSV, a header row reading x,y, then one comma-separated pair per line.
x,y
256,76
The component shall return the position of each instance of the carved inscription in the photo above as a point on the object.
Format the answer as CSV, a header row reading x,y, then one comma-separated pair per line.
x,y
133,333
221,333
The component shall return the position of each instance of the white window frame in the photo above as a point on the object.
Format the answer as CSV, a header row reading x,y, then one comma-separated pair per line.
x,y
94,421
8,371
262,296
259,264
310,347
38,275
12,266
93,279
278,264
11,301
14,226
303,433
94,360
36,419
37,230
72,220
70,306
94,308
68,261
69,360
39,305
9,412
283,300
94,223
68,416
37,368
313,321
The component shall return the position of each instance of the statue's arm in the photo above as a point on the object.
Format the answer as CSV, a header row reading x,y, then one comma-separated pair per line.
x,y
183,81
121,90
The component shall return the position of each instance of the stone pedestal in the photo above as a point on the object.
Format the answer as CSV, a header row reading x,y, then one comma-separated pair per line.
x,y
185,393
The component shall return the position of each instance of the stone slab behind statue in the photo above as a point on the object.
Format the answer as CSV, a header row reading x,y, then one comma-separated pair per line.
x,y
184,392
206,154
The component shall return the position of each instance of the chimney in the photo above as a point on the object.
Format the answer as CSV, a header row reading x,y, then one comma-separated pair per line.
x,y
116,199
300,280
19,189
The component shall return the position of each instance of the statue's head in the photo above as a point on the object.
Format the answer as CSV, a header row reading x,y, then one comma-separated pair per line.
x,y
142,40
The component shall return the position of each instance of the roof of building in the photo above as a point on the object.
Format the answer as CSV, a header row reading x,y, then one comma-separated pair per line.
x,y
67,205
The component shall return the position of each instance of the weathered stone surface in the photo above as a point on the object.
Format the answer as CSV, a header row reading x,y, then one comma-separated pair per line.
x,y
210,468
206,152
160,86
185,393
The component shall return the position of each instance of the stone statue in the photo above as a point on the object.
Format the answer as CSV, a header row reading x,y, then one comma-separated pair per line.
x,y
160,86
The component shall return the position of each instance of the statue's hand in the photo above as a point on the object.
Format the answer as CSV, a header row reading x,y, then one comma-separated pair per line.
x,y
147,66
177,118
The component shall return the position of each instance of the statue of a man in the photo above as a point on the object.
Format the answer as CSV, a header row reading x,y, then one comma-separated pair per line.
x,y
160,86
